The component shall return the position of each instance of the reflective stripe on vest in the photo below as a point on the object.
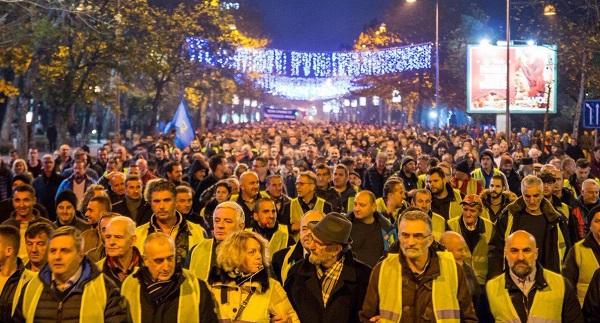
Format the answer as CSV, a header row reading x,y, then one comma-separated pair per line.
x,y
285,267
93,300
445,308
189,298
279,239
438,225
296,212
200,259
478,260
26,276
546,307
586,268
562,246
472,186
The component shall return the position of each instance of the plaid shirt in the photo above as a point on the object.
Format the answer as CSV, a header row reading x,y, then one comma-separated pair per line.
x,y
329,278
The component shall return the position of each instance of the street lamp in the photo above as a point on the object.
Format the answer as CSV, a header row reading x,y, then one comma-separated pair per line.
x,y
437,54
507,133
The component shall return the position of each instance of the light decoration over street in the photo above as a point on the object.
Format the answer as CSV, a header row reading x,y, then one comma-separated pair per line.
x,y
313,75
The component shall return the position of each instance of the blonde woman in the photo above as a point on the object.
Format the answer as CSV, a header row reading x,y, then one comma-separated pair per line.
x,y
241,284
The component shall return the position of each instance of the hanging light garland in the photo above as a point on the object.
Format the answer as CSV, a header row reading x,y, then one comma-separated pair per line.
x,y
313,75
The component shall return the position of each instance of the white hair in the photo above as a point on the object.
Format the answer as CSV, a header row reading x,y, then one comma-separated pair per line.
x,y
127,220
241,218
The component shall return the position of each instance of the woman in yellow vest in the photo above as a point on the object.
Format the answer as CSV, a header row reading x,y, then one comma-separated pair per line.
x,y
241,285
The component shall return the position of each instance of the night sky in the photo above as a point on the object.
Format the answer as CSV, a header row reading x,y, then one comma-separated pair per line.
x,y
325,25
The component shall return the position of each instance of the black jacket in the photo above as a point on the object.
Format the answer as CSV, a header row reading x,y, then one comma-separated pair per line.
x,y
304,291
373,181
591,304
144,211
332,196
168,308
555,221
8,292
45,191
50,302
279,257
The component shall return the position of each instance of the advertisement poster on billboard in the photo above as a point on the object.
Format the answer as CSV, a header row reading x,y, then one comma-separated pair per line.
x,y
533,77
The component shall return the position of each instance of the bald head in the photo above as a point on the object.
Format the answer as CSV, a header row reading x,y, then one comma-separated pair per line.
x,y
456,244
249,185
310,216
521,253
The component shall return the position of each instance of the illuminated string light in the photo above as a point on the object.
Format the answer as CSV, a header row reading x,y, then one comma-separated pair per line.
x,y
313,75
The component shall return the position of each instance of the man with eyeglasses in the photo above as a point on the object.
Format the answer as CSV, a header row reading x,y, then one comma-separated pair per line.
x,y
417,284
306,184
330,284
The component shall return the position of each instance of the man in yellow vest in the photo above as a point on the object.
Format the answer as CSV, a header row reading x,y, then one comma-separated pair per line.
x,y
344,187
70,287
161,196
169,293
445,199
463,181
306,184
265,223
418,284
584,258
228,218
284,259
484,173
534,214
526,292
422,201
13,274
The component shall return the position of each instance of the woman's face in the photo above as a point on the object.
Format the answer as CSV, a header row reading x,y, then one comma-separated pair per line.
x,y
19,168
252,260
221,194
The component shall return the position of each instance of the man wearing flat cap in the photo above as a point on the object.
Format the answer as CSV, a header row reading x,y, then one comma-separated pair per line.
x,y
330,284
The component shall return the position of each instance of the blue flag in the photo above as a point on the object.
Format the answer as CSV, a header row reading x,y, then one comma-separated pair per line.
x,y
183,124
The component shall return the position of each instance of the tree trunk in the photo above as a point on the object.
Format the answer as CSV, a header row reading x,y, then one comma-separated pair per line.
x,y
202,111
8,119
580,98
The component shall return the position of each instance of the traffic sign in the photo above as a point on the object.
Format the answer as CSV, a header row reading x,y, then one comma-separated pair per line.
x,y
591,114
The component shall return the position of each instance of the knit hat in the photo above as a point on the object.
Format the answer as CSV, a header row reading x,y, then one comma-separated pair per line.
x,y
488,153
505,159
463,166
406,160
333,228
67,195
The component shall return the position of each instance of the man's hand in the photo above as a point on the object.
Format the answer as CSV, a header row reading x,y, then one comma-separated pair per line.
x,y
281,319
375,319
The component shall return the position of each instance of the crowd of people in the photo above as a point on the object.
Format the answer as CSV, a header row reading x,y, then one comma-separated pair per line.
x,y
305,222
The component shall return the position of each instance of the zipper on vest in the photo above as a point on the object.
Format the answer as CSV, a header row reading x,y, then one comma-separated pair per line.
x,y
60,307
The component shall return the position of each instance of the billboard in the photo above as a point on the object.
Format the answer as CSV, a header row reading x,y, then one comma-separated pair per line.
x,y
533,78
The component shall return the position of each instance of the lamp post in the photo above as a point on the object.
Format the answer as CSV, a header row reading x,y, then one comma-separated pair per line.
x,y
507,70
437,56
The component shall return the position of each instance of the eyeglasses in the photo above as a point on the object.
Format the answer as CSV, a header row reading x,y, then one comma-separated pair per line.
x,y
419,237
310,239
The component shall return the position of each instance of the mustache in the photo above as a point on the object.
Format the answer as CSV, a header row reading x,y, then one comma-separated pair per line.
x,y
521,262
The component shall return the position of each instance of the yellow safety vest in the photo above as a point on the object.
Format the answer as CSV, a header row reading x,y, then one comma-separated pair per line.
x,y
546,307
296,212
455,209
479,259
562,246
421,181
264,194
381,207
350,204
196,234
279,239
26,276
472,186
189,298
478,175
200,259
257,309
587,262
438,225
444,291
93,300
